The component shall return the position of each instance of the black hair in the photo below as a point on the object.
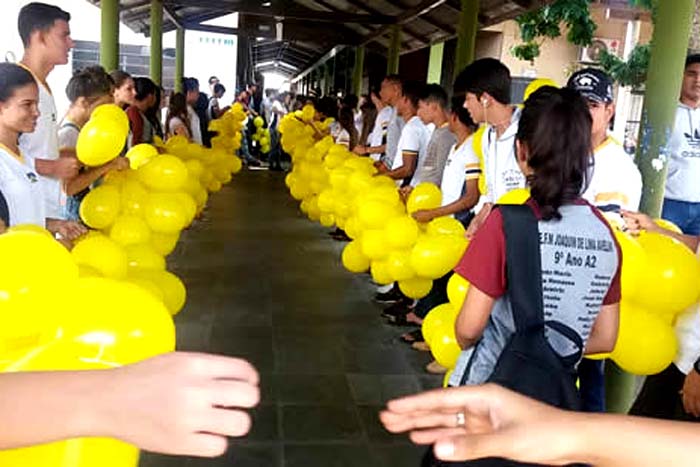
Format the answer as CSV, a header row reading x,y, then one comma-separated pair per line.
x,y
435,93
351,100
190,84
413,91
346,118
692,59
119,77
90,83
555,126
457,108
38,17
328,107
144,87
218,87
485,75
12,77
212,79
177,108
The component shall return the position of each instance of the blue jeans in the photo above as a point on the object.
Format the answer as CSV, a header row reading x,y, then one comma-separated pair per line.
x,y
591,376
684,214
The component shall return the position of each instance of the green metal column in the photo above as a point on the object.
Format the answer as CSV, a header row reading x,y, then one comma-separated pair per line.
x,y
392,59
109,44
663,86
435,63
179,59
157,41
466,34
358,70
327,78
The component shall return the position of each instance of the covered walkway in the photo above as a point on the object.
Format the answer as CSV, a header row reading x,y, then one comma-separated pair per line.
x,y
266,284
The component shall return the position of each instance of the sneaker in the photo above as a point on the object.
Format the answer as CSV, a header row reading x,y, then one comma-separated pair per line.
x,y
435,368
393,295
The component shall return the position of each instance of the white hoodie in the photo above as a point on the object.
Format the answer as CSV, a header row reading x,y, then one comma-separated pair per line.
x,y
684,161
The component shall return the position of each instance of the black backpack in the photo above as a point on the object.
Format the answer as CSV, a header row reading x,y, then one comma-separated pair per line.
x,y
528,364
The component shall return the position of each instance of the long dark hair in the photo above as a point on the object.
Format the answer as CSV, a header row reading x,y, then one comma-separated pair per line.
x,y
369,117
177,108
346,118
13,77
555,126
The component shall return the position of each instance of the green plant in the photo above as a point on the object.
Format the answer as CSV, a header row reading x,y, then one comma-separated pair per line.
x,y
632,72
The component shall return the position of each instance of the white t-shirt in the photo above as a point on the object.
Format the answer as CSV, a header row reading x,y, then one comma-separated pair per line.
x,y
68,135
43,144
195,130
688,333
357,118
22,189
684,161
462,165
343,138
413,140
174,124
379,132
502,171
616,181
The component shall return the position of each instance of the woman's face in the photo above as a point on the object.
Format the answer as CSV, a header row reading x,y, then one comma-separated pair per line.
x,y
21,111
126,93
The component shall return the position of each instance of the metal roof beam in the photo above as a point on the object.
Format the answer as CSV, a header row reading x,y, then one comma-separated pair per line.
x,y
422,8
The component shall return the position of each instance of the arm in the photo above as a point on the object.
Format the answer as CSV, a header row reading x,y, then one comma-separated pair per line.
x,y
502,423
636,222
604,333
365,150
479,219
466,202
473,317
61,168
88,177
408,168
129,403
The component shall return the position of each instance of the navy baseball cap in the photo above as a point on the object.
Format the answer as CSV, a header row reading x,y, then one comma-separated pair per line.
x,y
593,84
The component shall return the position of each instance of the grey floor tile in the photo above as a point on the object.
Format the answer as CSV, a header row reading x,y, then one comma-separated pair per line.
x,y
329,455
320,423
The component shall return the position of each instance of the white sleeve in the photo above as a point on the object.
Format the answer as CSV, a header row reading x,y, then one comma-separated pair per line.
x,y
413,141
67,137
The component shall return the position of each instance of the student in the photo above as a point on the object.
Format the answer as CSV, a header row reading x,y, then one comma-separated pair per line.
x,y
673,394
369,116
215,110
46,37
19,181
486,85
213,81
378,137
470,423
154,112
414,138
124,88
178,121
201,407
348,133
142,130
433,110
390,93
553,150
191,87
616,182
86,90
682,198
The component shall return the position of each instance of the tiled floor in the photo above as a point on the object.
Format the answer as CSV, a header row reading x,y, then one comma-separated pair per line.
x,y
266,284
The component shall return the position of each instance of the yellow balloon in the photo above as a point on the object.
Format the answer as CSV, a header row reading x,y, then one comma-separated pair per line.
x,y
668,225
424,196
30,228
671,276
517,196
129,230
326,201
374,244
144,256
447,377
189,205
374,214
646,343
536,84
444,347
416,287
33,263
445,225
100,207
148,285
140,154
163,173
434,256
400,265
195,168
353,259
102,254
164,213
115,177
352,228
133,197
111,112
401,232
437,317
457,288
327,220
100,141
164,243
174,292
633,262
87,271
380,272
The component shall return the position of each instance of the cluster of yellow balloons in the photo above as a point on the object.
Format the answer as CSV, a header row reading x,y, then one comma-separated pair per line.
x,y
103,137
110,300
229,129
261,135
337,187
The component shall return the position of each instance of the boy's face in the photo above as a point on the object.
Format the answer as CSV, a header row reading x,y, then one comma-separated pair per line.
x,y
426,112
474,107
691,83
56,42
601,114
